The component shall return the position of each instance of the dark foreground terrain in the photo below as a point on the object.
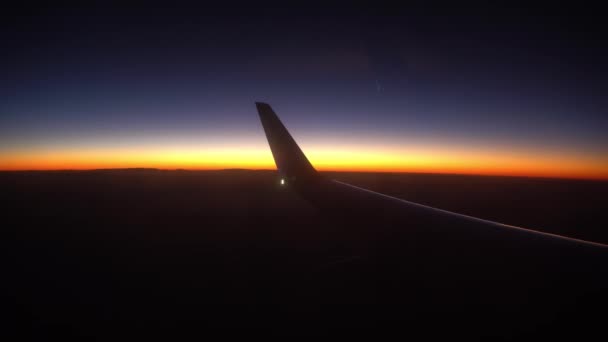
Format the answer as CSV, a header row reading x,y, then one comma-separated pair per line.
x,y
139,252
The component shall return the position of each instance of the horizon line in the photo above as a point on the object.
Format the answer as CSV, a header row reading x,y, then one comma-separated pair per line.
x,y
322,171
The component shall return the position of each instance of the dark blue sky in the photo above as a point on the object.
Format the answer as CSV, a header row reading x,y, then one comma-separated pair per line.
x,y
516,81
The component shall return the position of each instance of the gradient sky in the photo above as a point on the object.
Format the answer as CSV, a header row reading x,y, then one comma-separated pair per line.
x,y
456,90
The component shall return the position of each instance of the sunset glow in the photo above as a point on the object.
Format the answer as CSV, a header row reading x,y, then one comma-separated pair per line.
x,y
357,158
356,97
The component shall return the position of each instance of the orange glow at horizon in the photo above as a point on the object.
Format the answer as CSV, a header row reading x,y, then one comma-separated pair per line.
x,y
431,160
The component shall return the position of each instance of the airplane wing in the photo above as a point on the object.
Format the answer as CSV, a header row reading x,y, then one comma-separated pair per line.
x,y
455,259
336,196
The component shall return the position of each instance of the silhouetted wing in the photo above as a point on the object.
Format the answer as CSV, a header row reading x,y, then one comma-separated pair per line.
x,y
411,259
340,198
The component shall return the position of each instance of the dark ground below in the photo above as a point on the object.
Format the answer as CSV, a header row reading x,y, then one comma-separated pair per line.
x,y
94,253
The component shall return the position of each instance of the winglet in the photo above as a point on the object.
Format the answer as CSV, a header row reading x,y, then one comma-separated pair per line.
x,y
291,162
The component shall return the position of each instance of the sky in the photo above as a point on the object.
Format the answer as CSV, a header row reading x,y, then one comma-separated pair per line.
x,y
494,91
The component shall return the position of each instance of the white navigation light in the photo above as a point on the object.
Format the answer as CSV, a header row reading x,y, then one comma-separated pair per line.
x,y
282,181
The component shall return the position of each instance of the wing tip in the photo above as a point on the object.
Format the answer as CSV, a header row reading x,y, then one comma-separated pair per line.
x,y
288,156
261,105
